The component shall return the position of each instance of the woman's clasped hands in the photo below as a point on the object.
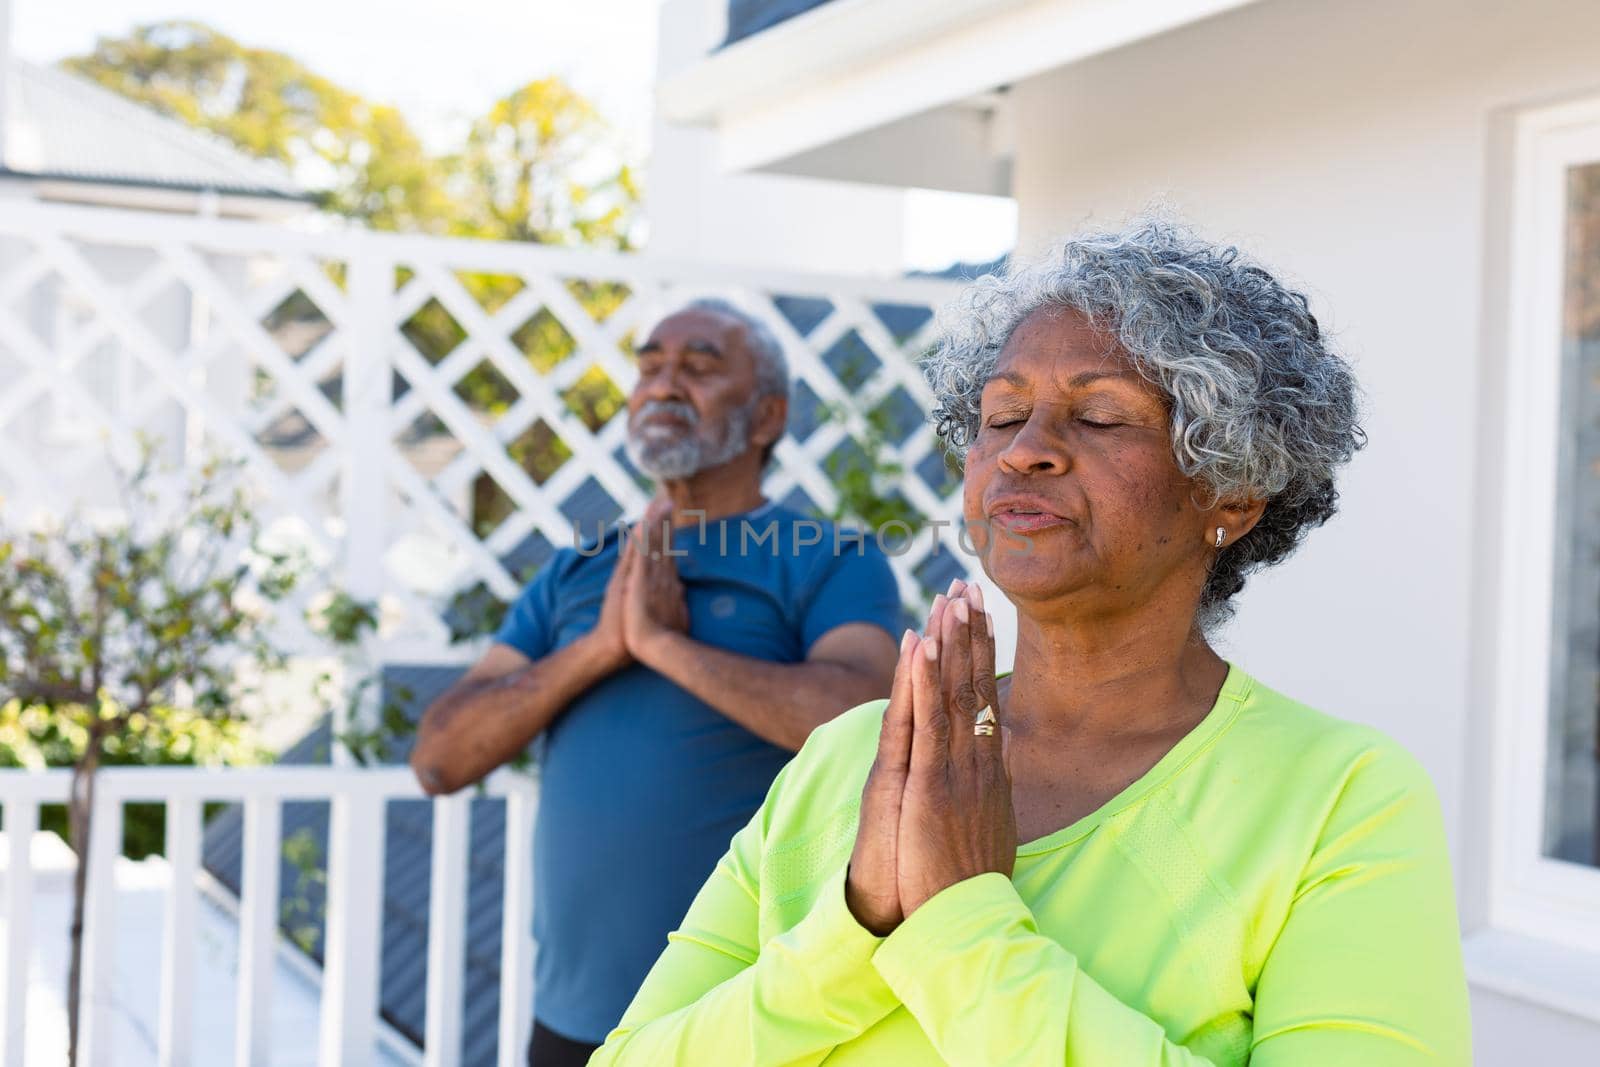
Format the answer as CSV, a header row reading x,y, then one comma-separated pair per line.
x,y
936,807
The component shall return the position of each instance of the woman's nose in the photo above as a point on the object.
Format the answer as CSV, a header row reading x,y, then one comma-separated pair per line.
x,y
1034,450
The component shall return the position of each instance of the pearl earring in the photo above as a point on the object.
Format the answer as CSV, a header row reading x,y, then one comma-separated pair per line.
x,y
1221,533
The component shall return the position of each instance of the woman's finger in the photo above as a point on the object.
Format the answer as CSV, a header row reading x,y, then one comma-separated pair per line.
x,y
983,681
941,603
960,699
930,728
935,615
894,736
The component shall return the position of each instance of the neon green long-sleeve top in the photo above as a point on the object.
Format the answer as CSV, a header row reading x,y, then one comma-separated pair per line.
x,y
1275,891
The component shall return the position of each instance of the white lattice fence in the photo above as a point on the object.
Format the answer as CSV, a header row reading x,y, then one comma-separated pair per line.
x,y
431,414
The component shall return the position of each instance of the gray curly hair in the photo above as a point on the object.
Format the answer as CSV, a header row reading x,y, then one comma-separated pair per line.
x,y
1260,403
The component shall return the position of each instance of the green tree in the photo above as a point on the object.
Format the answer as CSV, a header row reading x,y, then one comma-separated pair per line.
x,y
370,163
540,165
536,167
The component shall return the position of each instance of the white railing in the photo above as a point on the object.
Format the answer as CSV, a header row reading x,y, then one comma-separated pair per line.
x,y
349,996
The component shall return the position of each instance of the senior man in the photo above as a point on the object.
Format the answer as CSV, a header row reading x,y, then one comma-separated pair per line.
x,y
670,673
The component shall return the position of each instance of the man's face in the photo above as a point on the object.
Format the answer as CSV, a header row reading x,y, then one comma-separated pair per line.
x,y
695,401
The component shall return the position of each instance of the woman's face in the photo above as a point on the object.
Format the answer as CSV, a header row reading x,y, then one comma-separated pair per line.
x,y
1071,483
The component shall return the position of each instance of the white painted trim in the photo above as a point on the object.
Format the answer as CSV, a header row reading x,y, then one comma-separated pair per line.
x,y
853,65
447,942
1540,972
140,229
175,1035
21,822
516,911
258,930
1530,895
97,982
188,787
814,44
353,939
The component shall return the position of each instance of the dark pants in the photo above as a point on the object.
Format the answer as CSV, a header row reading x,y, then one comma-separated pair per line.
x,y
550,1049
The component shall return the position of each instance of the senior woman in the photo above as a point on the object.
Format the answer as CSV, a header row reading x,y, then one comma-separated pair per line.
x,y
1158,860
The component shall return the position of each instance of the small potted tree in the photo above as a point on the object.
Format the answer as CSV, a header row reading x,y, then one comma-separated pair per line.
x,y
133,624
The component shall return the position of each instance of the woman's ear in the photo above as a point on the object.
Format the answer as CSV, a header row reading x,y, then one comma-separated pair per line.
x,y
1238,515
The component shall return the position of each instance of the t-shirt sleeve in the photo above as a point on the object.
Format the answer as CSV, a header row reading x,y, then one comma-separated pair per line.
x,y
853,584
529,625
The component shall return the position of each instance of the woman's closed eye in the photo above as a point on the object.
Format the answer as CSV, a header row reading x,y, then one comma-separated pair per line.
x,y
1098,422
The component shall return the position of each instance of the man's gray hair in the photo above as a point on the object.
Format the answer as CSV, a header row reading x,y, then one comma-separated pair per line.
x,y
772,368
1259,401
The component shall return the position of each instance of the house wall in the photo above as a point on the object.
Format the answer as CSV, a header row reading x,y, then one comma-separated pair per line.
x,y
1360,148
700,212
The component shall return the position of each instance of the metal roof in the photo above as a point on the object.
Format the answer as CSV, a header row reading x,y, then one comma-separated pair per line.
x,y
62,126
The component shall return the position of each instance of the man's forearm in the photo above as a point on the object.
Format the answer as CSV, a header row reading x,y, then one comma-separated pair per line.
x,y
477,726
778,702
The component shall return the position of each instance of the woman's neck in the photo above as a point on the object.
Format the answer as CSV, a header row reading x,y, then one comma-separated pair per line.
x,y
1079,683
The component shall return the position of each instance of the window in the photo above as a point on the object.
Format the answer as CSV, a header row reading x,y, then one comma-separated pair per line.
x,y
1572,777
1544,871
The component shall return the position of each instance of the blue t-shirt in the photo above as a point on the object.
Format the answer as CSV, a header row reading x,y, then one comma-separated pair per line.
x,y
642,784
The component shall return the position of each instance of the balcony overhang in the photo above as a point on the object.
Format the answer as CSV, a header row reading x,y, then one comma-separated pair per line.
x,y
781,98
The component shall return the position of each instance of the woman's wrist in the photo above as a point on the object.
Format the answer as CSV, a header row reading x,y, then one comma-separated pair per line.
x,y
863,913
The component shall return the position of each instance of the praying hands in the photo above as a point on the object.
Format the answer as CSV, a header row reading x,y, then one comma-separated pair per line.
x,y
936,807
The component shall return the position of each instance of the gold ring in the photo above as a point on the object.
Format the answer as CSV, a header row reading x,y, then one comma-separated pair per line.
x,y
983,725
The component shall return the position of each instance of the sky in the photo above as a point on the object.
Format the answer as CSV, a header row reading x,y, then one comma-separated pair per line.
x,y
442,62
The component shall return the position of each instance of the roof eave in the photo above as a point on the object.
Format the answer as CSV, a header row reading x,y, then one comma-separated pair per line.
x,y
854,65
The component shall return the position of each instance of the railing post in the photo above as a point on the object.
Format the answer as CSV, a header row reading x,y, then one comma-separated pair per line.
x,y
176,1040
352,945
258,931
22,820
447,898
364,475
97,979
516,931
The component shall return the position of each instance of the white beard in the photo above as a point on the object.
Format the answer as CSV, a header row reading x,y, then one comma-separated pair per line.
x,y
672,453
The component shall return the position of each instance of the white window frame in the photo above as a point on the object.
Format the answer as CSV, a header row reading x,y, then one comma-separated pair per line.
x,y
1531,895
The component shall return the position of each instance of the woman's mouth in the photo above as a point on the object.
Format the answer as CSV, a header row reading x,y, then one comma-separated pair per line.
x,y
1026,521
